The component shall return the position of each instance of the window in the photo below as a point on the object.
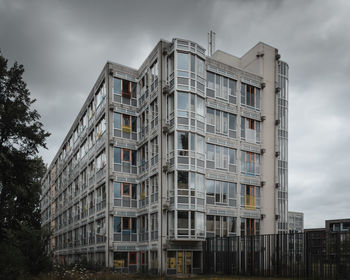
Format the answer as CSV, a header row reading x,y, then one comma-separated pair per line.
x,y
117,86
101,160
221,87
182,180
117,155
117,224
200,144
126,155
210,116
154,71
91,109
250,130
126,189
100,95
182,222
193,63
134,124
100,128
154,109
117,189
170,106
210,84
120,259
193,102
232,91
218,192
221,122
200,106
221,226
126,123
250,197
200,67
132,258
154,147
225,158
250,227
250,96
182,101
125,88
182,143
210,152
232,125
182,61
250,163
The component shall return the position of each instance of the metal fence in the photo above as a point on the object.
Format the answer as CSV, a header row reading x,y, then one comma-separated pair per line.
x,y
296,255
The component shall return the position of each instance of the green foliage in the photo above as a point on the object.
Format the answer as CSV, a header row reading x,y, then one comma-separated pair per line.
x,y
21,170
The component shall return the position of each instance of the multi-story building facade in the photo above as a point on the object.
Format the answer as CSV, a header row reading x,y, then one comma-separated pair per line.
x,y
161,157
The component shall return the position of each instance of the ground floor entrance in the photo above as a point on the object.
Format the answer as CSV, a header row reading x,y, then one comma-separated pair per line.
x,y
184,262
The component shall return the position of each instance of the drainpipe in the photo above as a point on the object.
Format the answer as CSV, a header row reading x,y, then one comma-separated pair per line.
x,y
107,115
161,157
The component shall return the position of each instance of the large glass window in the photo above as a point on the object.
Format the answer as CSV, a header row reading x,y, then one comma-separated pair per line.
x,y
182,143
182,219
250,96
182,178
182,101
117,224
210,116
221,87
117,155
250,163
200,66
117,86
219,157
210,152
182,61
200,144
117,120
200,106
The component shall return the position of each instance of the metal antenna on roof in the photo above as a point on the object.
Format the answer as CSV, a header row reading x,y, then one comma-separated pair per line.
x,y
211,42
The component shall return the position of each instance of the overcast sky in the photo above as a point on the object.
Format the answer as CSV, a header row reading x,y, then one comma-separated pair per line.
x,y
63,46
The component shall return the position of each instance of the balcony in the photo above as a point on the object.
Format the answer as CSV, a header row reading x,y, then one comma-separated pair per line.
x,y
125,202
125,167
126,236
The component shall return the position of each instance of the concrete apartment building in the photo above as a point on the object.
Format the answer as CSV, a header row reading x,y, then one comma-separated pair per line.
x,y
186,147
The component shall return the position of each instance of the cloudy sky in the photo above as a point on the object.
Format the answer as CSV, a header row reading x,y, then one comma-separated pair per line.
x,y
63,46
